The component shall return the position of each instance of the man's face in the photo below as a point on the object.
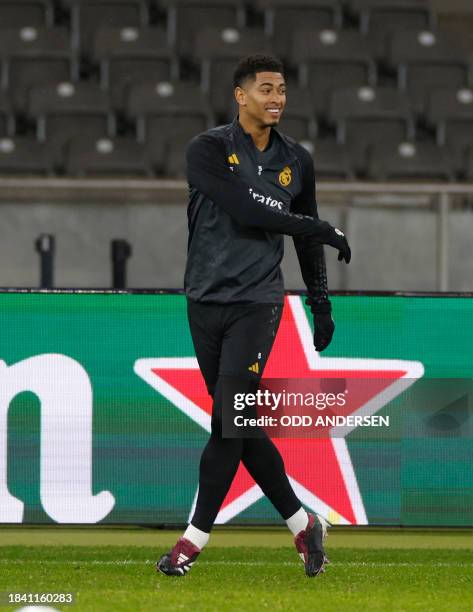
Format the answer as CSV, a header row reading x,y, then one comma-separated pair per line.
x,y
263,99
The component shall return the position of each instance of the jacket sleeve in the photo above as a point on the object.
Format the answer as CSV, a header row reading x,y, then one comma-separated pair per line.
x,y
209,173
310,254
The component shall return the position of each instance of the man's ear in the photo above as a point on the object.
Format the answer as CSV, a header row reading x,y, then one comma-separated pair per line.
x,y
240,96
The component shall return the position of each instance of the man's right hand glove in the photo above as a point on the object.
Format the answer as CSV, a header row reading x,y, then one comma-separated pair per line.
x,y
336,239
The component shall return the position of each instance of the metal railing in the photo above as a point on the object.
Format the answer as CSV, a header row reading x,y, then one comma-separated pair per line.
x,y
344,194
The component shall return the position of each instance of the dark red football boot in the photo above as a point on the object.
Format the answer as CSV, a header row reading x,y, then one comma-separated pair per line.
x,y
310,545
179,560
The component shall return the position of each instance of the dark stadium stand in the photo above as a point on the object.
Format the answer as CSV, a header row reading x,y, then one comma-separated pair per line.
x,y
387,14
331,159
282,19
366,116
32,56
86,16
217,50
424,61
63,110
174,164
329,59
450,112
165,112
186,17
17,13
106,157
24,155
409,160
150,74
129,56
299,118
469,165
7,117
379,19
216,44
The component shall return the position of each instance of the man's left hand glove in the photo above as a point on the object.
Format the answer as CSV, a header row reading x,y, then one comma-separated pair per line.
x,y
324,325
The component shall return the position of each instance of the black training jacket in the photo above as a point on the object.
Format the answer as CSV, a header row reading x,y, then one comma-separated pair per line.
x,y
241,202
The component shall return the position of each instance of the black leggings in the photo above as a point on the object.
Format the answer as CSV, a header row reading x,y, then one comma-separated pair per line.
x,y
230,339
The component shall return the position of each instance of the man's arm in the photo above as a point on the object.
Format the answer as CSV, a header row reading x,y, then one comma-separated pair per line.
x,y
208,172
309,253
312,259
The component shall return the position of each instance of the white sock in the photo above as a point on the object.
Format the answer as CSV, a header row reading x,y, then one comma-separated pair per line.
x,y
196,536
298,521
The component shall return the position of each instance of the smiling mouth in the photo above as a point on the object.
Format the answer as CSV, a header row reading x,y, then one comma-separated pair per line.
x,y
275,112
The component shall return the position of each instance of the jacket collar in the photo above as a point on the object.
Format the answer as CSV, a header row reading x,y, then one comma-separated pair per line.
x,y
237,128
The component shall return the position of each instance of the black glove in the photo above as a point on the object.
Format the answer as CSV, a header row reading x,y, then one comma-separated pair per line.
x,y
336,239
324,325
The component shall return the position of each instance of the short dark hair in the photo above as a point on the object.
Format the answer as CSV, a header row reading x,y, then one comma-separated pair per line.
x,y
248,67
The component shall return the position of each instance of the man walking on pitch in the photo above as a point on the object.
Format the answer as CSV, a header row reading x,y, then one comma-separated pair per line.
x,y
249,185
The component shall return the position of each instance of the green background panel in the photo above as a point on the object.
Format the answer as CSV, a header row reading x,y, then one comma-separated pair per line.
x,y
146,452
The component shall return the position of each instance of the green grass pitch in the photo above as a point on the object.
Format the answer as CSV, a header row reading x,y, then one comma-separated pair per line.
x,y
241,570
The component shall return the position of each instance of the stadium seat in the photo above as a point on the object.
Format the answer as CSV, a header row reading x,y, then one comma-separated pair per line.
x,y
451,113
24,155
298,119
365,116
175,158
7,116
87,16
379,19
331,159
217,52
166,111
19,13
128,56
283,18
410,161
330,59
185,17
160,132
88,156
221,96
469,165
425,61
64,110
387,14
33,56
217,49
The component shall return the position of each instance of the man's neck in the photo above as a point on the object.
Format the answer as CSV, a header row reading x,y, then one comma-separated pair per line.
x,y
260,135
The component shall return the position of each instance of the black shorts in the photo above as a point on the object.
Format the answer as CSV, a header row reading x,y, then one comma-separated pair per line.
x,y
232,339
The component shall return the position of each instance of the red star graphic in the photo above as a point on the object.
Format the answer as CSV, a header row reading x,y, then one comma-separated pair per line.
x,y
320,469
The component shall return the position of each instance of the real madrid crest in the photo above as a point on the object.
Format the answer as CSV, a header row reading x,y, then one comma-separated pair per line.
x,y
285,176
